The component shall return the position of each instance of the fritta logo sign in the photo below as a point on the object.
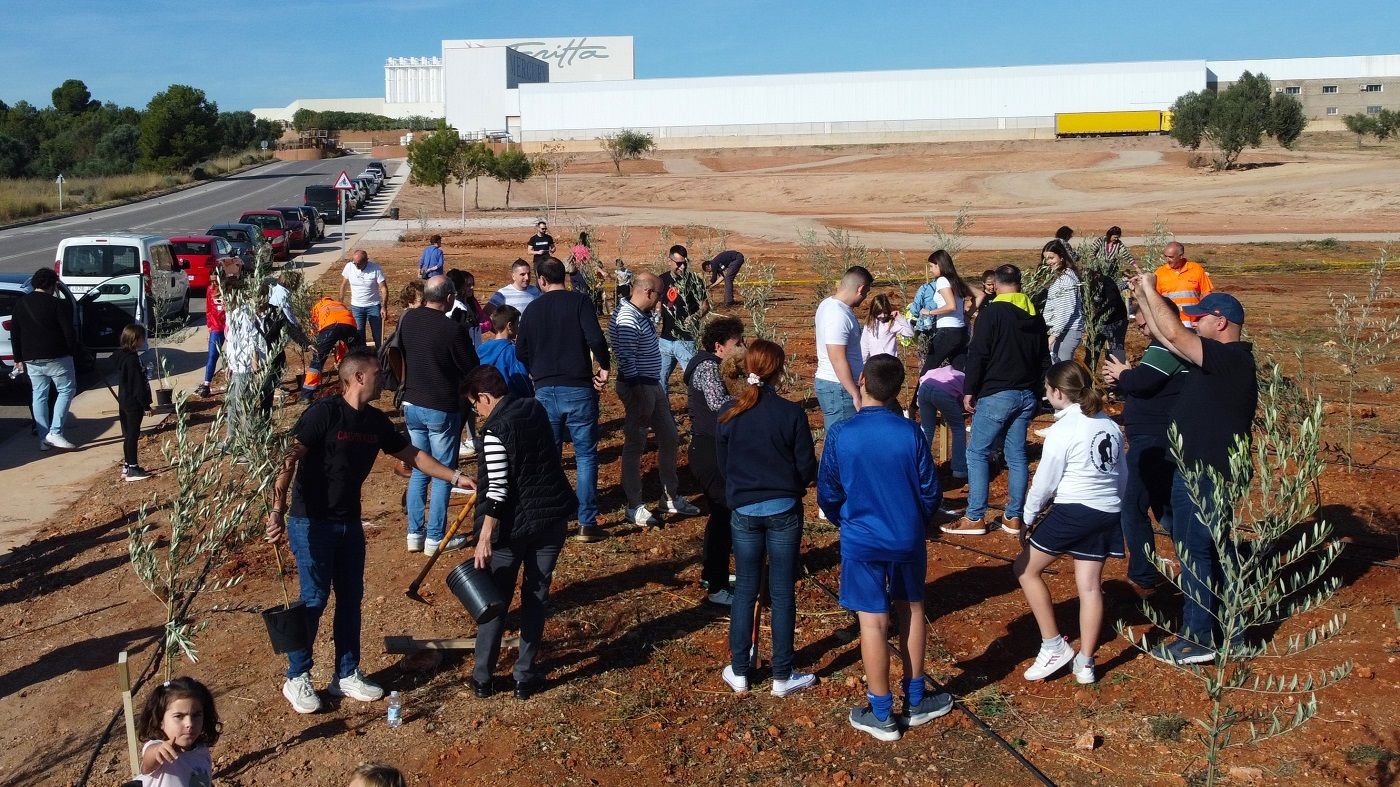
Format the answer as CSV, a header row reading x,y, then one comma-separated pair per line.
x,y
576,50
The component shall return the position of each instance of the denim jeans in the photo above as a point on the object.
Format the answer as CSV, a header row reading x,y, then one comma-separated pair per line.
x,y
779,536
574,412
330,556
836,404
675,352
437,433
216,346
1004,415
507,560
646,406
58,371
1150,470
932,398
1200,563
368,314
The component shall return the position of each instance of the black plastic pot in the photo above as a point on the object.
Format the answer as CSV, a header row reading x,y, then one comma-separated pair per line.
x,y
164,401
286,627
477,592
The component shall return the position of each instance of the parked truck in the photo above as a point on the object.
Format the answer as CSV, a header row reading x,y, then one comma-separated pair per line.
x,y
1105,124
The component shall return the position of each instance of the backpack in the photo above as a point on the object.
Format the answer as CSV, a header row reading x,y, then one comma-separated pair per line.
x,y
392,370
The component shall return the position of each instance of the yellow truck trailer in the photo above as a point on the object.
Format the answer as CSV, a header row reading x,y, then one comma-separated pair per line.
x,y
1096,124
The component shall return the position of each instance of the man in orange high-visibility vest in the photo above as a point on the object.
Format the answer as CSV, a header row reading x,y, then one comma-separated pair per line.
x,y
1182,281
333,323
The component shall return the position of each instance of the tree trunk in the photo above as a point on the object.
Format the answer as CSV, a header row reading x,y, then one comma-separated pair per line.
x,y
476,198
444,196
508,193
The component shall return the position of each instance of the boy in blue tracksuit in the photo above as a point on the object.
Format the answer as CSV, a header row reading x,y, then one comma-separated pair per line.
x,y
500,352
877,483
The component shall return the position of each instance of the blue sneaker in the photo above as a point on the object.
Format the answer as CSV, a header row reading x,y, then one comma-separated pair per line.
x,y
1181,651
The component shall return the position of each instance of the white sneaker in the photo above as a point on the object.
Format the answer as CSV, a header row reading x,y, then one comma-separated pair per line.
x,y
796,682
738,683
821,515
681,506
301,694
1084,672
355,687
1050,660
721,597
415,542
641,515
59,441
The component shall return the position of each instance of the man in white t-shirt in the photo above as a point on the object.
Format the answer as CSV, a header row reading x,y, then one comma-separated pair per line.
x,y
520,293
838,347
369,294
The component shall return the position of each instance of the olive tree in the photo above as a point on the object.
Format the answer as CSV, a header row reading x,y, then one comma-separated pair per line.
x,y
1236,118
626,144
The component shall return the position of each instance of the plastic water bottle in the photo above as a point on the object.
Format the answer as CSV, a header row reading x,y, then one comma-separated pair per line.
x,y
395,710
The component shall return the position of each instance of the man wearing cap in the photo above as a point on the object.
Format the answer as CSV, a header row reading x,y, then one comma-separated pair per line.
x,y
1214,409
1182,281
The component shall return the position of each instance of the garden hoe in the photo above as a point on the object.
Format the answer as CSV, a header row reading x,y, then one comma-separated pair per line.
x,y
466,512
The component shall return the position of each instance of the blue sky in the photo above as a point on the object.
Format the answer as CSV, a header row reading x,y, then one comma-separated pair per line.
x,y
127,50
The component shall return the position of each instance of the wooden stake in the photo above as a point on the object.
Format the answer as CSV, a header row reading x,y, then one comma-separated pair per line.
x,y
133,746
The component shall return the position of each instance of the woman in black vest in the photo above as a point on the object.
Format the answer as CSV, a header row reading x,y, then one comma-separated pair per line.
x,y
524,502
705,397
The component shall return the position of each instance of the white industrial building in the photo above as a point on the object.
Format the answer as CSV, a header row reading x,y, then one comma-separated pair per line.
x,y
573,90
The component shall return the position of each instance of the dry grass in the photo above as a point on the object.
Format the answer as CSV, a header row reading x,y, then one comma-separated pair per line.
x,y
23,198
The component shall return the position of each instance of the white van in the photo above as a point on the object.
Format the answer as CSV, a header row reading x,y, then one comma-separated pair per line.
x,y
137,274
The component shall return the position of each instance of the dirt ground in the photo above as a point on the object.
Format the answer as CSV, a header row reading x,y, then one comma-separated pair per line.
x,y
633,655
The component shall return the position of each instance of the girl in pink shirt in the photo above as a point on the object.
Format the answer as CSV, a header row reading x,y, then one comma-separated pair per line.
x,y
884,326
180,724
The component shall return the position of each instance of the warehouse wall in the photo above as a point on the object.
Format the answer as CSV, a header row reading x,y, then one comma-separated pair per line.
x,y
930,100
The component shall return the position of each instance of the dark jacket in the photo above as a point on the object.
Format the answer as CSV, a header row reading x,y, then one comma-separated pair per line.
x,y
133,391
540,501
438,354
702,418
766,453
42,328
1009,350
557,335
1149,391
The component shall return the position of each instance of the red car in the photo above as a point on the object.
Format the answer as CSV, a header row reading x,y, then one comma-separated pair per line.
x,y
274,228
201,253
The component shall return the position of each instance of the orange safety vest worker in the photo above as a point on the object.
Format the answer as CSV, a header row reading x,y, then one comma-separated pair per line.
x,y
1185,287
327,312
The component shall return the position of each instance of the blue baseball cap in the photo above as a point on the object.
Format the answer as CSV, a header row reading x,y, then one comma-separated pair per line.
x,y
1220,304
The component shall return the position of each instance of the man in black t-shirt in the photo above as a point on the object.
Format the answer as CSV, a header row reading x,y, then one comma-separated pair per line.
x,y
682,309
336,442
1213,412
541,244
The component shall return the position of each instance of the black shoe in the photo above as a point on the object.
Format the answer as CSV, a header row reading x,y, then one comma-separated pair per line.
x,y
481,690
589,534
525,689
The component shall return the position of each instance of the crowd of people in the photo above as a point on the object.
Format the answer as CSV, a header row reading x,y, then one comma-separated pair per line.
x,y
516,377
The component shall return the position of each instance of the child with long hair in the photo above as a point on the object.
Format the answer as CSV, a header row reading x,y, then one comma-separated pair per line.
x,y
765,449
884,326
180,724
1064,301
133,398
1081,469
940,307
376,774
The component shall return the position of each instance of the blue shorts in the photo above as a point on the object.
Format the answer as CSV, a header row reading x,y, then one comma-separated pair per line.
x,y
1079,531
870,585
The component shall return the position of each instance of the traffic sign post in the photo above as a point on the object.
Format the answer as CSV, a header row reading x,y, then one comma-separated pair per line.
x,y
59,181
343,185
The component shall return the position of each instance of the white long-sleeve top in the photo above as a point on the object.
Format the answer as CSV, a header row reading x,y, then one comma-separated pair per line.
x,y
1082,462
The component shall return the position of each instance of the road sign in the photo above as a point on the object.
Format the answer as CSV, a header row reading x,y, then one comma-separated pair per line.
x,y
59,181
343,182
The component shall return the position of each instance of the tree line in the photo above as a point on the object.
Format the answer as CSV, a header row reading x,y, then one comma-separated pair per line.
x,y
443,157
81,136
331,120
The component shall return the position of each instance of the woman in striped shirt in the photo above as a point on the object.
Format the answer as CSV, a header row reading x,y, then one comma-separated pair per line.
x,y
1064,303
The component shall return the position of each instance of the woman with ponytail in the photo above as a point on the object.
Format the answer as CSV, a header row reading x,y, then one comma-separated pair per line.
x,y
1081,469
765,449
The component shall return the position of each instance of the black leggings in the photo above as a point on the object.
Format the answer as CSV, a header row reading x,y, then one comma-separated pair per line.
x,y
719,544
131,432
946,344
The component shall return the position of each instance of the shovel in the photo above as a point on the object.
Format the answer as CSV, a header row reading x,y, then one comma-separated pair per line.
x,y
412,591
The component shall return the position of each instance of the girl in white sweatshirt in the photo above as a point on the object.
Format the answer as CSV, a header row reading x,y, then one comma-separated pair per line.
x,y
1081,469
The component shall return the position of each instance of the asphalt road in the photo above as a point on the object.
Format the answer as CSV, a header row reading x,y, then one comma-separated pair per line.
x,y
25,249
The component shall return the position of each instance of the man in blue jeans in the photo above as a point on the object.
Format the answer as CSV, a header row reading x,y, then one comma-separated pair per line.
x,y
335,442
838,347
1213,412
45,339
559,341
684,304
369,295
1006,365
438,354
